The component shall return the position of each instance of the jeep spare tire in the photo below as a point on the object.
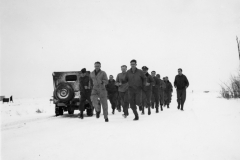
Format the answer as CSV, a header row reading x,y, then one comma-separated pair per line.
x,y
64,92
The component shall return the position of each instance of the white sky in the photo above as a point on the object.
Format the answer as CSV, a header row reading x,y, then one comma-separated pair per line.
x,y
39,37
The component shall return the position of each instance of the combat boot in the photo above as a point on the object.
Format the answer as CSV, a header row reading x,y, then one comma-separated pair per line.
x,y
125,116
81,115
152,105
161,108
149,111
157,110
136,118
181,107
143,111
113,111
97,114
136,115
178,107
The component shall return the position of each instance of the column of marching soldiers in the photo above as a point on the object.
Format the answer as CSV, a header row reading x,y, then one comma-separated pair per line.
x,y
133,87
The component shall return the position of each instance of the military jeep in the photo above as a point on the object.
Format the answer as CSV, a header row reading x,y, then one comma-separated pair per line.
x,y
66,95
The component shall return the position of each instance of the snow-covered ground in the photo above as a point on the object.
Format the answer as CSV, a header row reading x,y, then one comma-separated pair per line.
x,y
209,128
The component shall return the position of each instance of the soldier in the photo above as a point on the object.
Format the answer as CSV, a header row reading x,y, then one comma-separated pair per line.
x,y
112,93
162,86
98,80
147,91
164,96
88,73
168,92
11,99
85,91
155,91
181,83
119,103
123,90
136,79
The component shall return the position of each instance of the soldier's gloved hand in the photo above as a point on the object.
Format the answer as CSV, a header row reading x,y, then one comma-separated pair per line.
x,y
147,84
175,86
86,87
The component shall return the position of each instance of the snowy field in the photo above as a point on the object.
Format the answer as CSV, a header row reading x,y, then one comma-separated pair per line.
x,y
209,128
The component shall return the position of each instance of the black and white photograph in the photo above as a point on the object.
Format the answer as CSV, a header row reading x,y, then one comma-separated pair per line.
x,y
120,79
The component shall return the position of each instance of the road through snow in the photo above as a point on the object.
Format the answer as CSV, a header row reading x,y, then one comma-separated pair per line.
x,y
207,129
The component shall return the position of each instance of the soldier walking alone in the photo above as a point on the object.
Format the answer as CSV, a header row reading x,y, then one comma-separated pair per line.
x,y
136,79
123,90
99,80
181,83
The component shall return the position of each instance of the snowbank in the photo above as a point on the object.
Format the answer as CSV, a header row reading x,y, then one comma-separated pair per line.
x,y
26,109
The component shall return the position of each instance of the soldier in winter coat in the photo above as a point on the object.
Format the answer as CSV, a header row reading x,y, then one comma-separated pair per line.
x,y
155,91
112,92
162,86
123,90
168,92
147,91
181,84
85,91
136,80
99,80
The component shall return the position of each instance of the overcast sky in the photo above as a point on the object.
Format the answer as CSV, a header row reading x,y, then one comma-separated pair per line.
x,y
39,37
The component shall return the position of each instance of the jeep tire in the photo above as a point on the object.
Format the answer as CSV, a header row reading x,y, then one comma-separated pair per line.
x,y
58,111
64,92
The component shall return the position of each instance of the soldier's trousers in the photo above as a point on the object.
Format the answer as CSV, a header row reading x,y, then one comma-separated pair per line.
x,y
167,97
102,95
181,96
85,96
155,98
135,98
146,98
124,101
119,103
113,98
161,97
